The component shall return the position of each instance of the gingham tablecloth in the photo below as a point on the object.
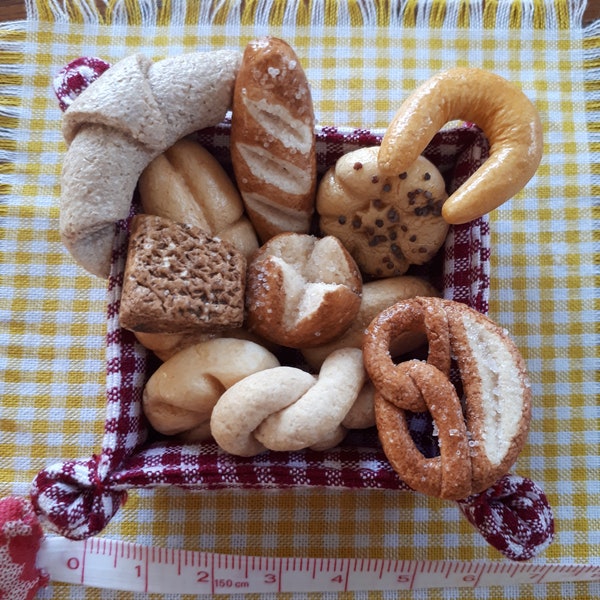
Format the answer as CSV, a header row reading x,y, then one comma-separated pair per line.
x,y
362,59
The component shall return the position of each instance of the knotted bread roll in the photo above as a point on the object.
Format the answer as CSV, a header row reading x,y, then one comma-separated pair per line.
x,y
286,408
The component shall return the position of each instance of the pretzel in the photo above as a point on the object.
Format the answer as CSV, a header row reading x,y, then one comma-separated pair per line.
x,y
507,117
128,116
179,397
475,449
286,408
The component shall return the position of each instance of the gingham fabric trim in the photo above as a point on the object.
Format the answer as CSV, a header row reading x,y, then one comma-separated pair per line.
x,y
79,498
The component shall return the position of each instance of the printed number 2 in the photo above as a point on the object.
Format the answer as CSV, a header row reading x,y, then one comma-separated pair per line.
x,y
202,577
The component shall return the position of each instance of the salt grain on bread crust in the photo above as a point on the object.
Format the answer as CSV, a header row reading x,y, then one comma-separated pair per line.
x,y
177,279
187,184
376,296
387,223
123,120
273,139
475,449
179,397
302,291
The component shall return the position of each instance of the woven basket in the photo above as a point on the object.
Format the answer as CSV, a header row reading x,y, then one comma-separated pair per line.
x,y
78,498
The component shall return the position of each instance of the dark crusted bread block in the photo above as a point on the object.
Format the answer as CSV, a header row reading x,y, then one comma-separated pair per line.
x,y
178,279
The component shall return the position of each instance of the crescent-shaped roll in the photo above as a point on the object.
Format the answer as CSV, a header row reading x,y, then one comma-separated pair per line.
x,y
507,117
132,113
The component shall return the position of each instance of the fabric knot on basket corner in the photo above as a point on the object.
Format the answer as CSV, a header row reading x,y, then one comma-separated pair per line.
x,y
73,498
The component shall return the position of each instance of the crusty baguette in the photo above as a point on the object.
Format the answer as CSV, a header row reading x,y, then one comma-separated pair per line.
x,y
134,111
273,139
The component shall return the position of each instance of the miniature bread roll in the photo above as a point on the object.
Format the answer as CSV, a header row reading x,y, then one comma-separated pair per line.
x,y
166,345
507,117
387,223
188,185
273,139
177,279
286,408
376,296
179,397
482,430
301,290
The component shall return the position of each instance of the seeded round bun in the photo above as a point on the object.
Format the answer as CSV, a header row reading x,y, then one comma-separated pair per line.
x,y
386,223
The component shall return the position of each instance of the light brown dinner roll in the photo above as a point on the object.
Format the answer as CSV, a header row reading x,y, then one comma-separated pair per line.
x,y
387,223
188,185
166,345
302,291
179,397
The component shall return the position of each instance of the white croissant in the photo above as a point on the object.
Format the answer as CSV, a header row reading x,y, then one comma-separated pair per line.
x,y
132,113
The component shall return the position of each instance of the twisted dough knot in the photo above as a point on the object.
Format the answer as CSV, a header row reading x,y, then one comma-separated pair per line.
x,y
479,435
288,409
176,403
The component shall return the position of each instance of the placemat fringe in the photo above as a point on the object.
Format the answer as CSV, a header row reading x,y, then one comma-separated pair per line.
x,y
591,63
525,14
12,38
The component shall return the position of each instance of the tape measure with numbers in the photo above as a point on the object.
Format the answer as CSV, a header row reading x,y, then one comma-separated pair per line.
x,y
107,564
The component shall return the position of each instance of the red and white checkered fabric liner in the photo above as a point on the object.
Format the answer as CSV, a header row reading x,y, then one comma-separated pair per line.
x,y
78,498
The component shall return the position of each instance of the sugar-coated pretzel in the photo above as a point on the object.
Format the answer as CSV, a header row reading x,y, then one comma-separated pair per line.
x,y
481,434
286,408
507,117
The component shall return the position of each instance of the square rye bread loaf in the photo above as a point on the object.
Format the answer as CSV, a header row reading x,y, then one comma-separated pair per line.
x,y
178,279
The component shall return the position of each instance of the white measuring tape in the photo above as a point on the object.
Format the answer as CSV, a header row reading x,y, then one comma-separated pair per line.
x,y
126,566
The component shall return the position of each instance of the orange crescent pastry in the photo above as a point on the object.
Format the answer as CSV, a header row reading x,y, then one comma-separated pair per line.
x,y
482,429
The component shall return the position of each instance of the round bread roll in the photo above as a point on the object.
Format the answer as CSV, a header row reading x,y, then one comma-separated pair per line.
x,y
301,290
376,296
387,223
179,397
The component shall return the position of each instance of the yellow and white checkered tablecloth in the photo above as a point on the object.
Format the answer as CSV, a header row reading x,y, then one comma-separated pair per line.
x,y
362,58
